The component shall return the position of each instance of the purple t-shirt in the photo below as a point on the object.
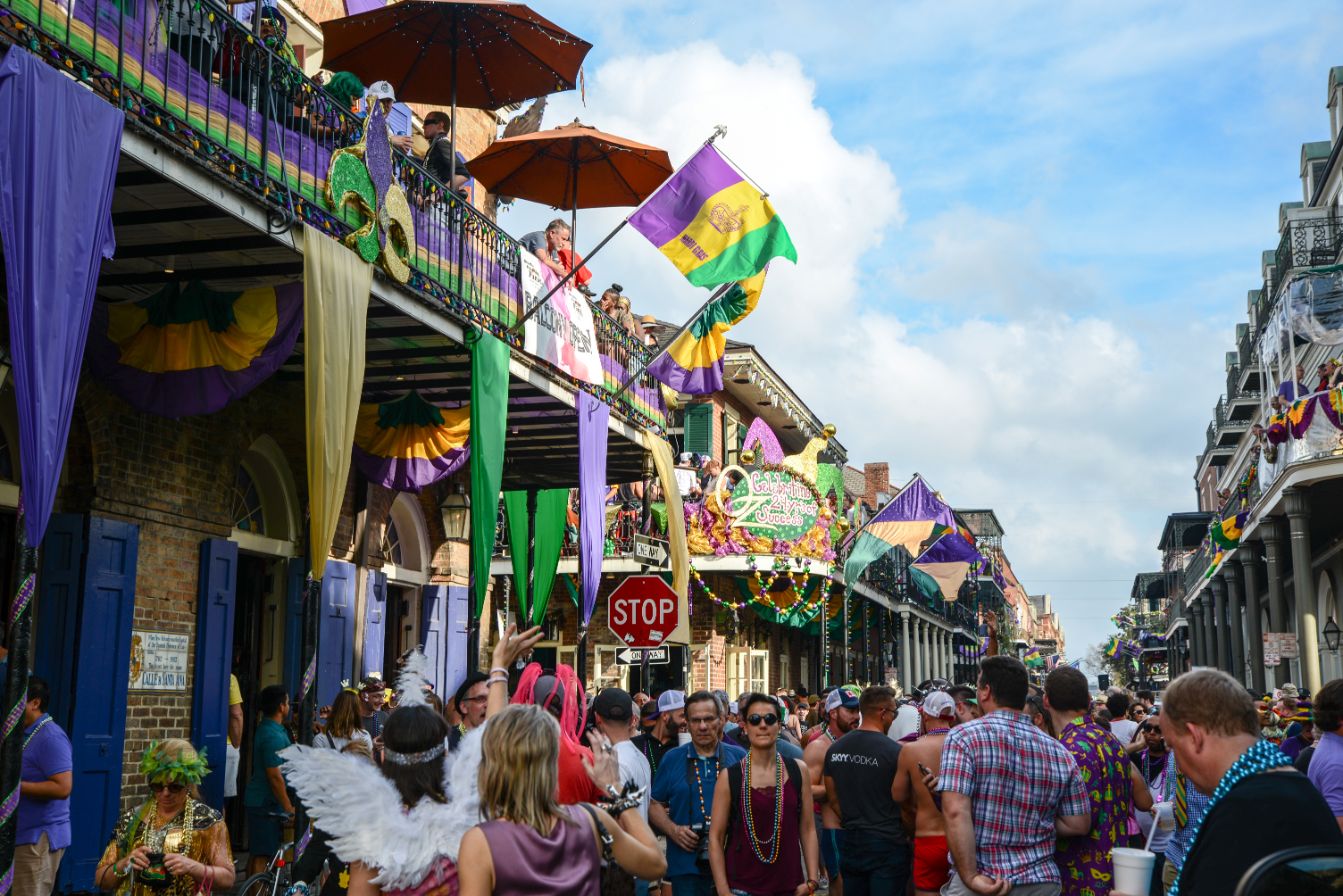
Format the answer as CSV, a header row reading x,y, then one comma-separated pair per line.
x,y
1326,770
46,753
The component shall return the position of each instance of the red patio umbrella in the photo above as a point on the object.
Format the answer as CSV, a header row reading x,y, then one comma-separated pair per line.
x,y
480,53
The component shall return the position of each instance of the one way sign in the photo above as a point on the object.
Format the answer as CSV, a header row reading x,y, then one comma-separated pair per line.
x,y
652,551
632,656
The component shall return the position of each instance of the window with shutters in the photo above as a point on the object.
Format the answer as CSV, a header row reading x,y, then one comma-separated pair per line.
x,y
733,434
697,437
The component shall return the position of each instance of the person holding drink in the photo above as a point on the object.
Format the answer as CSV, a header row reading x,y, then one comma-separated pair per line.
x,y
171,843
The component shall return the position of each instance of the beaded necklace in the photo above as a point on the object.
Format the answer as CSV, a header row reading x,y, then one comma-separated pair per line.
x,y
648,754
932,731
828,735
748,812
699,784
1147,764
1261,757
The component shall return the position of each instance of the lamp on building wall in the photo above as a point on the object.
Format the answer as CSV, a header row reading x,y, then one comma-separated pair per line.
x,y
1331,634
456,511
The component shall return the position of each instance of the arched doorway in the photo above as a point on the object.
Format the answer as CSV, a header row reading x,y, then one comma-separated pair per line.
x,y
405,564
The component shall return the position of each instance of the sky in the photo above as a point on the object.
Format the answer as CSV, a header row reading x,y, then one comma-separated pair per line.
x,y
1025,232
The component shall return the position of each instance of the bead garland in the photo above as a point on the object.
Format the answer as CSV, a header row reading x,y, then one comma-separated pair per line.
x,y
699,784
1261,757
930,732
748,812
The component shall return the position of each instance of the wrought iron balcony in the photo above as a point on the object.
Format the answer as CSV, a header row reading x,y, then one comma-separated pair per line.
x,y
209,89
1308,242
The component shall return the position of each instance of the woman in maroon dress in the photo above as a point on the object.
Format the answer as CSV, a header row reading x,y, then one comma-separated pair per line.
x,y
762,836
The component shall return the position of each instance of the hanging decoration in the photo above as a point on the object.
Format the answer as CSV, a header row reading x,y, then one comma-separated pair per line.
x,y
760,437
407,443
593,416
548,528
489,422
189,350
361,178
906,521
948,561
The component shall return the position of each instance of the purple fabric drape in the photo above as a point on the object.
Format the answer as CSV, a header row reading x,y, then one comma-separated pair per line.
x,y
56,226
916,501
592,418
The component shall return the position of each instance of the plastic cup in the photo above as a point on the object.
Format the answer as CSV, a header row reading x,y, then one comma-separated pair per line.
x,y
683,738
1133,870
1165,816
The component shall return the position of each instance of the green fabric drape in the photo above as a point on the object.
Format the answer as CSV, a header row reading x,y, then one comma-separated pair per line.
x,y
489,420
551,505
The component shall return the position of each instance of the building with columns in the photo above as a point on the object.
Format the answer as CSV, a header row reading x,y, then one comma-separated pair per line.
x,y
1262,558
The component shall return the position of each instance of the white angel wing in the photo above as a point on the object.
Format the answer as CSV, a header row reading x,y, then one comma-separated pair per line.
x,y
362,812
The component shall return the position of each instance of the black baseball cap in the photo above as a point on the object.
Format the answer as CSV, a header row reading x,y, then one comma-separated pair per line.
x,y
614,704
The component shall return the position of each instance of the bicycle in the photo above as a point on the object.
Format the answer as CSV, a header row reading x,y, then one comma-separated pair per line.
x,y
274,881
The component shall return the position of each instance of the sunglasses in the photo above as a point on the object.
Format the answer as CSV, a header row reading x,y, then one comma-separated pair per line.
x,y
159,787
756,718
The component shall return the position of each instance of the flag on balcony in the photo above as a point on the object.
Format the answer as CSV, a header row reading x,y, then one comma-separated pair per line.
x,y
713,224
189,350
1033,659
1112,647
1226,533
949,561
693,363
408,443
906,521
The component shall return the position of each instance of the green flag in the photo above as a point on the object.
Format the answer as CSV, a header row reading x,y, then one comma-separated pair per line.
x,y
489,421
551,505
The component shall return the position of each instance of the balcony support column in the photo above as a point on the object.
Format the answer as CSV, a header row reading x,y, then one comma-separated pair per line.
x,y
906,667
1196,633
1254,635
1303,586
1221,633
918,653
1210,652
1235,604
1270,532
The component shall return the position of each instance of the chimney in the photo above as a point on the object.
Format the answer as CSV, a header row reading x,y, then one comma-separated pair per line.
x,y
876,480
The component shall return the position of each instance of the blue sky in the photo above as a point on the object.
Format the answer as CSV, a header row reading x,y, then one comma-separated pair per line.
x,y
1025,232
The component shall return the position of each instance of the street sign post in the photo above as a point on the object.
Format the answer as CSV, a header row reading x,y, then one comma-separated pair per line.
x,y
642,611
656,656
652,551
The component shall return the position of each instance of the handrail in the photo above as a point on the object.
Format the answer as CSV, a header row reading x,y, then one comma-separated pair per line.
x,y
191,75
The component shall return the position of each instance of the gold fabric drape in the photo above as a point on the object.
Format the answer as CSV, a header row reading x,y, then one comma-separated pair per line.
x,y
680,555
336,285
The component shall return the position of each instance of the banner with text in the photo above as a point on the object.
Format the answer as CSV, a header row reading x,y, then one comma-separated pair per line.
x,y
562,332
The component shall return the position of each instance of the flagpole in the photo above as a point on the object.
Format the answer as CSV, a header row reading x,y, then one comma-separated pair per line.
x,y
718,131
717,294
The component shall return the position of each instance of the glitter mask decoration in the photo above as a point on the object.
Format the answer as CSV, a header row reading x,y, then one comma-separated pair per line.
x,y
361,177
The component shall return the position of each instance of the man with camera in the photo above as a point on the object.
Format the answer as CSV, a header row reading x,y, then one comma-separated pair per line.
x,y
683,795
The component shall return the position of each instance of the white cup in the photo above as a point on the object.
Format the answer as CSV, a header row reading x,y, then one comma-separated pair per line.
x,y
1133,870
683,738
1165,816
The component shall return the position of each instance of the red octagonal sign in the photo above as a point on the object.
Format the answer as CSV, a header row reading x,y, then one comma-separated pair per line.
x,y
641,612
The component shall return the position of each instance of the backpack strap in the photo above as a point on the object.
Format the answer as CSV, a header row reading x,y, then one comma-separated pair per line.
x,y
734,785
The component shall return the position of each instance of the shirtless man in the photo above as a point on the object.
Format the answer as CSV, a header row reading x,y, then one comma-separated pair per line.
x,y
931,868
841,710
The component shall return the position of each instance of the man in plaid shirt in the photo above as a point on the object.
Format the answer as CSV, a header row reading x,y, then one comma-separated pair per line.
x,y
1008,790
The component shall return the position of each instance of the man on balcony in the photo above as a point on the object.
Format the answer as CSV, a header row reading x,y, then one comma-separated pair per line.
x,y
552,248
438,157
1290,390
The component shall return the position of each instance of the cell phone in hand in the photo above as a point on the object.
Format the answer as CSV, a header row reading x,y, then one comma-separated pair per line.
x,y
925,769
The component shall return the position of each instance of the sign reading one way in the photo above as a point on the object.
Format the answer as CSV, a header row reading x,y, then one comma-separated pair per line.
x,y
642,611
657,656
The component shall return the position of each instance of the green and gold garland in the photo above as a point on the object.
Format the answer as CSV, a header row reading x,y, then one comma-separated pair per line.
x,y
156,767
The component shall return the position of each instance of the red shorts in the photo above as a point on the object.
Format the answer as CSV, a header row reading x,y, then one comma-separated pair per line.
x,y
932,867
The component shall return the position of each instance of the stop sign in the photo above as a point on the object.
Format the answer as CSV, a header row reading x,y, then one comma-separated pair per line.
x,y
641,612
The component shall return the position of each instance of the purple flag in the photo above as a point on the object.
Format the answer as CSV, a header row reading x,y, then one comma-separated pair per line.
x,y
56,226
950,548
592,418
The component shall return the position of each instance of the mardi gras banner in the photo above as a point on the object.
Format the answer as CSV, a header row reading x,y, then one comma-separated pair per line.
x,y
189,349
408,443
562,332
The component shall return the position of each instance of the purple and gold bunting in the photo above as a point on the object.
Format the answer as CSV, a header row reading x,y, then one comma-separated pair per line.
x,y
408,443
190,350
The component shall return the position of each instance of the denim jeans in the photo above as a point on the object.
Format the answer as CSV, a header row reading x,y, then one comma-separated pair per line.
x,y
692,885
873,865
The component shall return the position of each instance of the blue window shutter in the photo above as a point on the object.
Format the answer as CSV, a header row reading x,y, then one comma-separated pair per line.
x,y
335,636
697,437
102,675
58,610
459,620
375,622
217,592
295,583
434,637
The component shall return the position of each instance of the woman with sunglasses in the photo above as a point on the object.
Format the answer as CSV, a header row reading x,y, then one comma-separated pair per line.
x,y
172,842
762,833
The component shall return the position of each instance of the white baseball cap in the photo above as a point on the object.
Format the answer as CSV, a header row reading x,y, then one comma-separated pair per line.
x,y
670,700
938,705
381,90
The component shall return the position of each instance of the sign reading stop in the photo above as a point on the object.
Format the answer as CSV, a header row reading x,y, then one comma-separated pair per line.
x,y
641,612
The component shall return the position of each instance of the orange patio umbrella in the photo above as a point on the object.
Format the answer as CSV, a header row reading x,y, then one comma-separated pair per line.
x,y
572,166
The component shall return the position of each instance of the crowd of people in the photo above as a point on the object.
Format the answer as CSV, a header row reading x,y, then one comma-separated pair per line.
x,y
541,789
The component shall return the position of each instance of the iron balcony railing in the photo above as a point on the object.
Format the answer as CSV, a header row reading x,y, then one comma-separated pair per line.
x,y
1308,242
1195,568
190,75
